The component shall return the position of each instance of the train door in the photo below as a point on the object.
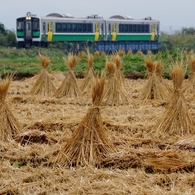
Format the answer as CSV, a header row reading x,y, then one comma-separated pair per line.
x,y
97,31
153,26
28,30
50,31
114,31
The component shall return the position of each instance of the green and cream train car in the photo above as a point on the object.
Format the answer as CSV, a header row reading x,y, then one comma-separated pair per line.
x,y
117,32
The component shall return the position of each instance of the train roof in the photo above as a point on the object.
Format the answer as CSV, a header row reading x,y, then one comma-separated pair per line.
x,y
66,15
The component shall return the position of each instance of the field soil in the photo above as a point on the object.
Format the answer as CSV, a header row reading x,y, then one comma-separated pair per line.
x,y
146,161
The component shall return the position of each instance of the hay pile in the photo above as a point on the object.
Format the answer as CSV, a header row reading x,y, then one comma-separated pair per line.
x,y
90,77
176,119
34,136
9,125
43,85
69,86
155,87
191,81
119,67
114,92
88,144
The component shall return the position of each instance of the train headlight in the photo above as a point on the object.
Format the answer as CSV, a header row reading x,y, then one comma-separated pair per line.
x,y
28,18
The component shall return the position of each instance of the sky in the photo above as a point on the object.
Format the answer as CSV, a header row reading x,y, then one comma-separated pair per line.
x,y
172,14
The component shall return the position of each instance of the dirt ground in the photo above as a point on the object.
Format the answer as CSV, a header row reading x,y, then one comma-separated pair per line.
x,y
146,162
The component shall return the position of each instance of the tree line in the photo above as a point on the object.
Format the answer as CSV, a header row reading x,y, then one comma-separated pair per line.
x,y
183,39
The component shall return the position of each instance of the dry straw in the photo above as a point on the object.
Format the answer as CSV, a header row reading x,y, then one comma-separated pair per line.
x,y
176,119
69,86
191,81
88,144
114,93
43,85
90,77
155,87
9,125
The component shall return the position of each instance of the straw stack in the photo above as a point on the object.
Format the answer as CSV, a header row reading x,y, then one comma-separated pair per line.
x,y
176,119
43,85
155,87
69,86
89,144
119,74
191,81
90,77
9,125
114,93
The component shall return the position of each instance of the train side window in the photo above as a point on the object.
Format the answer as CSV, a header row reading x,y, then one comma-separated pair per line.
x,y
130,28
44,26
126,28
74,27
64,27
35,24
84,27
134,28
141,28
69,27
89,28
137,28
146,28
58,27
120,28
79,27
102,28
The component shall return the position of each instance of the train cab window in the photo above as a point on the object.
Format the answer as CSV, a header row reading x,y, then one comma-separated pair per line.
x,y
20,25
28,26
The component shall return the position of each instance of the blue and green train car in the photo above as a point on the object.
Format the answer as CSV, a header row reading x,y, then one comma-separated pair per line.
x,y
109,35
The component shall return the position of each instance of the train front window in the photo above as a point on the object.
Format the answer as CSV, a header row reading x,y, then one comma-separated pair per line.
x,y
20,25
28,26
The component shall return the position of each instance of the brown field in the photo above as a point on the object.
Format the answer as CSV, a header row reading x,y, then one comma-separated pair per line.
x,y
146,161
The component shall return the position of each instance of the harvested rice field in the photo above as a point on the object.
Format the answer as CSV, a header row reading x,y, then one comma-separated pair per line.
x,y
137,158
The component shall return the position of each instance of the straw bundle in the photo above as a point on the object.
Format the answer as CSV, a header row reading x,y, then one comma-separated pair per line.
x,y
176,119
88,144
114,93
34,136
155,87
191,82
90,78
43,86
119,67
69,86
9,125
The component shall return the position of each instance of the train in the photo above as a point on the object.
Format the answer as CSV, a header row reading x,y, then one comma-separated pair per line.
x,y
76,33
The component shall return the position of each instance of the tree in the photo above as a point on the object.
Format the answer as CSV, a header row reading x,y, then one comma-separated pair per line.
x,y
2,29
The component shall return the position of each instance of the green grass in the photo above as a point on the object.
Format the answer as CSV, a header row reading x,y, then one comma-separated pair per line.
x,y
26,61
